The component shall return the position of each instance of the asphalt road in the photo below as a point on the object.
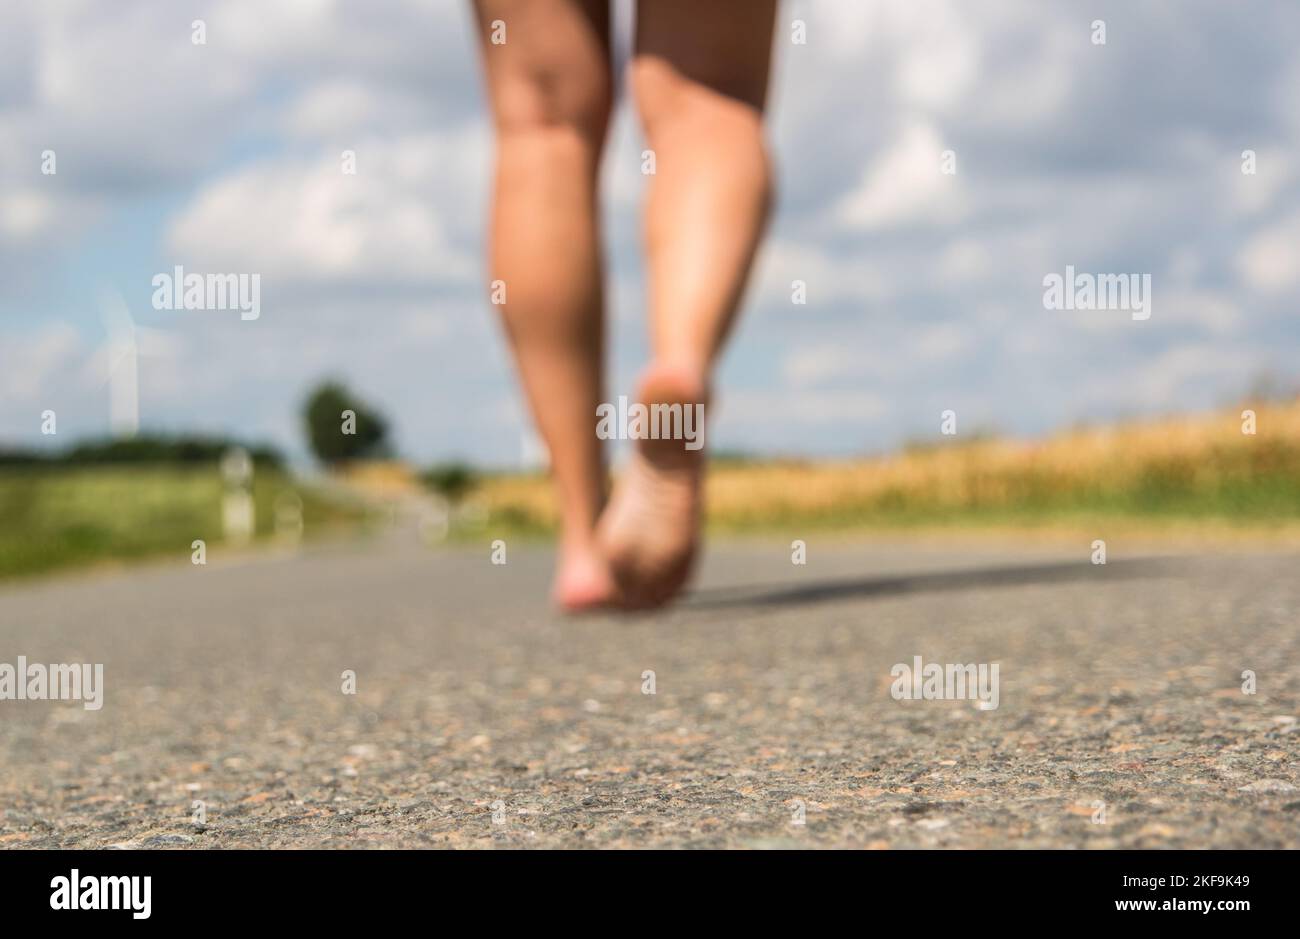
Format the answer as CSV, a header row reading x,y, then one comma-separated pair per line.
x,y
482,720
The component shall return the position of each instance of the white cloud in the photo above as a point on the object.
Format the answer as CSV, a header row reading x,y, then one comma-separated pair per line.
x,y
1268,261
303,220
904,185
939,51
25,214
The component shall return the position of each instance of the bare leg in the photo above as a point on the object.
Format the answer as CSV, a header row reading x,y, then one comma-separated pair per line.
x,y
550,88
699,76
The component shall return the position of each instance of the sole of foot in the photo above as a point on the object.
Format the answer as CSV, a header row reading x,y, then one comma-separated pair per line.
x,y
649,532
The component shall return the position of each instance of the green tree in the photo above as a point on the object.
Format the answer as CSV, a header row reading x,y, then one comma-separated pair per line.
x,y
450,480
340,427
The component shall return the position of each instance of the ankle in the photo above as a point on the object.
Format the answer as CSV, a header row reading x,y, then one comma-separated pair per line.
x,y
577,539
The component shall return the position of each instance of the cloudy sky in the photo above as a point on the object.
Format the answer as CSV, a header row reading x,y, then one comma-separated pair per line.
x,y
924,289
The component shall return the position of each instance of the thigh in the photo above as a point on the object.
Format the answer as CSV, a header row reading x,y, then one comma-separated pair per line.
x,y
723,45
553,66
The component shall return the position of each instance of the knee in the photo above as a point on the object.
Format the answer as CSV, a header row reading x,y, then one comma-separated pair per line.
x,y
656,89
558,102
667,98
703,124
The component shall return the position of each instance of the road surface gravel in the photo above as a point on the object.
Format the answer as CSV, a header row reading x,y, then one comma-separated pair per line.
x,y
482,719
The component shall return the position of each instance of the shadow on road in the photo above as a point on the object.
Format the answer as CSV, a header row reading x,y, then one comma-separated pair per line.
x,y
931,582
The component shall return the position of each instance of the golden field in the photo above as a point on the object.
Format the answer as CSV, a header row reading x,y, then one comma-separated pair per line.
x,y
1200,471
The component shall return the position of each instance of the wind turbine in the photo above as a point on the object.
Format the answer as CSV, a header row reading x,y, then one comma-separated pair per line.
x,y
125,343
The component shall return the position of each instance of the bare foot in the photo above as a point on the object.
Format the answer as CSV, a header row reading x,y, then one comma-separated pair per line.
x,y
650,529
583,580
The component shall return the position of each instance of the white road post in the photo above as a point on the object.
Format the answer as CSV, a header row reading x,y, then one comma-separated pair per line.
x,y
237,513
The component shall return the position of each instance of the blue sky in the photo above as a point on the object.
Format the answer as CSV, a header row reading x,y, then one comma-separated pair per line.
x,y
924,289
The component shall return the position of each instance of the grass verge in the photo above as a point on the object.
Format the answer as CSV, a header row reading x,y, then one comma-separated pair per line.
x,y
55,517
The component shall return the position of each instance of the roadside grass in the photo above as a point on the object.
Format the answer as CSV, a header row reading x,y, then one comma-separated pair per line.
x,y
1186,477
54,517
1179,474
